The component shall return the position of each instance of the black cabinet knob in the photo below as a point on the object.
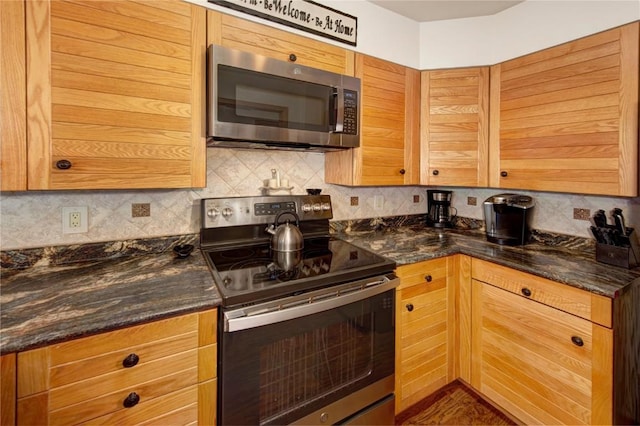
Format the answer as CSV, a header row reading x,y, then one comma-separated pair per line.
x,y
435,172
409,307
526,291
428,278
402,171
131,400
503,173
63,164
577,341
130,361
293,57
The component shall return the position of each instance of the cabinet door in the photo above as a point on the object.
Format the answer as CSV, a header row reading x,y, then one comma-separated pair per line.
x,y
389,129
454,127
115,94
8,389
237,33
13,108
542,365
566,118
424,334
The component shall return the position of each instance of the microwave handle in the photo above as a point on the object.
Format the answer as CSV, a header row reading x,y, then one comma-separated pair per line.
x,y
338,93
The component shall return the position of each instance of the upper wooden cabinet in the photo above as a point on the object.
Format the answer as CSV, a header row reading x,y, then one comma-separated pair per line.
x,y
566,118
236,33
389,129
13,110
454,127
115,94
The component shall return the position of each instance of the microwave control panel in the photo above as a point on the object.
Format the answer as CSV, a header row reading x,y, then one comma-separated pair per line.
x,y
350,121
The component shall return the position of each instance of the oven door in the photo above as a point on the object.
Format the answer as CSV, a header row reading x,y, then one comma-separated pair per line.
x,y
317,359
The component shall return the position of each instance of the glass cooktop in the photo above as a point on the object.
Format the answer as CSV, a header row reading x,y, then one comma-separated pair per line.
x,y
255,273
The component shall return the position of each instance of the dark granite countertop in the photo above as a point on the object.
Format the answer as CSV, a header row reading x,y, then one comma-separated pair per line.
x,y
42,305
55,294
568,260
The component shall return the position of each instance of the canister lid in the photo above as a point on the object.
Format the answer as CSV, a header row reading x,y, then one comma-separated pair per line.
x,y
512,200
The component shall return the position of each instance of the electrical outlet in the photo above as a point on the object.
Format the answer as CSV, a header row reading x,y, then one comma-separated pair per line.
x,y
354,201
75,220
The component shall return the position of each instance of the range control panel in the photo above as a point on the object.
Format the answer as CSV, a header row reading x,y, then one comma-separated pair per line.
x,y
236,211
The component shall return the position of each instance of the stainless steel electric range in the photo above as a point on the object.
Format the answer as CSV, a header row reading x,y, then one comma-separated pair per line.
x,y
304,337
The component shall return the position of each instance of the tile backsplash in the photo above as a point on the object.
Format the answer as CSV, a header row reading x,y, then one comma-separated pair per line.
x,y
34,219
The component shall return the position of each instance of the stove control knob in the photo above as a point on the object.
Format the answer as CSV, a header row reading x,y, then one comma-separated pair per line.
x,y
326,206
306,207
227,212
317,207
213,213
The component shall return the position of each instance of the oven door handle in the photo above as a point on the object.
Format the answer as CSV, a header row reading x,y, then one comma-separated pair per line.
x,y
240,319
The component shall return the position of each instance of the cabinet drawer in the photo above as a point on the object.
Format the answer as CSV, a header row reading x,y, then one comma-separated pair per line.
x,y
124,340
178,407
430,272
578,302
112,362
81,402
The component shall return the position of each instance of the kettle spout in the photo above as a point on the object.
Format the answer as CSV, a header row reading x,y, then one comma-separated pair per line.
x,y
271,229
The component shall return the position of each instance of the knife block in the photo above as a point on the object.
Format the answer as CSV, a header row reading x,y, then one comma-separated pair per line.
x,y
626,257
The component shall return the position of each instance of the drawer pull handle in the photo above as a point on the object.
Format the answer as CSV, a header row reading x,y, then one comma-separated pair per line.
x,y
402,171
577,341
435,172
131,400
130,361
526,291
292,57
504,174
409,307
428,278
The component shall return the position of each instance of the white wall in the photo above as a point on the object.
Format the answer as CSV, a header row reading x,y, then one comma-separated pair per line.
x,y
524,28
527,27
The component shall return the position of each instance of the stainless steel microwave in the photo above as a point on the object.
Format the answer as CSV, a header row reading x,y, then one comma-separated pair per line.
x,y
259,102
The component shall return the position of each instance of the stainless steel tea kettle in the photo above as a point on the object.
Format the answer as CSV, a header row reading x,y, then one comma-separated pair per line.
x,y
286,241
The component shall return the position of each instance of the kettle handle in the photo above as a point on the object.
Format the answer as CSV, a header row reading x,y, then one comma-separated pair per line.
x,y
294,214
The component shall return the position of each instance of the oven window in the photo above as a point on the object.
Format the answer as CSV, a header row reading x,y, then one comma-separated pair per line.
x,y
278,373
314,363
249,97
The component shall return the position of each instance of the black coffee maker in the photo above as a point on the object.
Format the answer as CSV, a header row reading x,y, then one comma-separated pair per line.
x,y
439,208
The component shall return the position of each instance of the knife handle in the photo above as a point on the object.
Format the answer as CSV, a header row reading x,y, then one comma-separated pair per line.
x,y
618,218
597,235
600,219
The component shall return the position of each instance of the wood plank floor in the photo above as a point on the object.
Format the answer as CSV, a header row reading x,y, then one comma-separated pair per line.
x,y
454,404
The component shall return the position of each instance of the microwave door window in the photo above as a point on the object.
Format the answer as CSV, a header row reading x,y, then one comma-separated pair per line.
x,y
253,98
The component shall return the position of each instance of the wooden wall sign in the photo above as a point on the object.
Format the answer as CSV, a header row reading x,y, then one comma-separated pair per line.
x,y
304,15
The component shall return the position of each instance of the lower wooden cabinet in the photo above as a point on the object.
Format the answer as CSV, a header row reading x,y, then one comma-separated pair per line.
x,y
539,362
8,389
424,331
162,372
